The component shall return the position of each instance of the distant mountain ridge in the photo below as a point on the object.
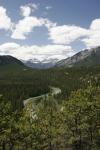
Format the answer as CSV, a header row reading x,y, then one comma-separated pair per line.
x,y
88,57
44,64
8,60
85,58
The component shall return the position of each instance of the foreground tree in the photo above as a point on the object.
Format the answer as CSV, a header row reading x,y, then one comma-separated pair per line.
x,y
73,124
82,112
47,124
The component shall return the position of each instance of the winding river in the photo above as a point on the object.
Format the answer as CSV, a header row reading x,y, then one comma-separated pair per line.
x,y
54,91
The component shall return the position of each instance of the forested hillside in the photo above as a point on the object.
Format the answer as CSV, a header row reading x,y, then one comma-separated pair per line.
x,y
19,83
69,120
71,124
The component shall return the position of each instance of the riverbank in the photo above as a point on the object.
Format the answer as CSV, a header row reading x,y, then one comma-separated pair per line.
x,y
53,91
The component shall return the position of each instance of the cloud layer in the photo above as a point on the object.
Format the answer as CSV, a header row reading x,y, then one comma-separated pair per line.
x,y
60,36
66,34
26,52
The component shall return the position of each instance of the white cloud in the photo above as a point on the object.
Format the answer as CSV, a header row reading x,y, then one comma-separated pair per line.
x,y
25,26
5,21
26,52
48,23
28,23
8,48
66,34
95,25
61,36
27,9
93,38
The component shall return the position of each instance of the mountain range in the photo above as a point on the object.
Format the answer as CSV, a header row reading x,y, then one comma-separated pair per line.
x,y
44,64
88,57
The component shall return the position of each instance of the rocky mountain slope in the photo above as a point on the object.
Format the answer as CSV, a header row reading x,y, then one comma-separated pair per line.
x,y
88,57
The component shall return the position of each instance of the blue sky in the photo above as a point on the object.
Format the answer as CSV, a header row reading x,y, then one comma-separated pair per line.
x,y
48,29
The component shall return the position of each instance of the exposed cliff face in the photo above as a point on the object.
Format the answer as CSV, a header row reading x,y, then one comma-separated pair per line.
x,y
87,57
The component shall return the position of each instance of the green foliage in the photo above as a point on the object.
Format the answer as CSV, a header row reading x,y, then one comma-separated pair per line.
x,y
72,124
69,120
8,126
18,83
82,113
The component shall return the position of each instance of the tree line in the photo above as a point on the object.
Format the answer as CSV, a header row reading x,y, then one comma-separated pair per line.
x,y
17,85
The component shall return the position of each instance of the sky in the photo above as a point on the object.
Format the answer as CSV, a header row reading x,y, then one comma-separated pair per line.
x,y
48,29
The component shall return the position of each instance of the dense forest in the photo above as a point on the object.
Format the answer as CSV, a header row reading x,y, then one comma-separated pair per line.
x,y
67,121
18,83
71,124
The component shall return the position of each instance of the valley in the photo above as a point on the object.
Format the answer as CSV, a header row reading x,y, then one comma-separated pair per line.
x,y
22,83
50,75
49,109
